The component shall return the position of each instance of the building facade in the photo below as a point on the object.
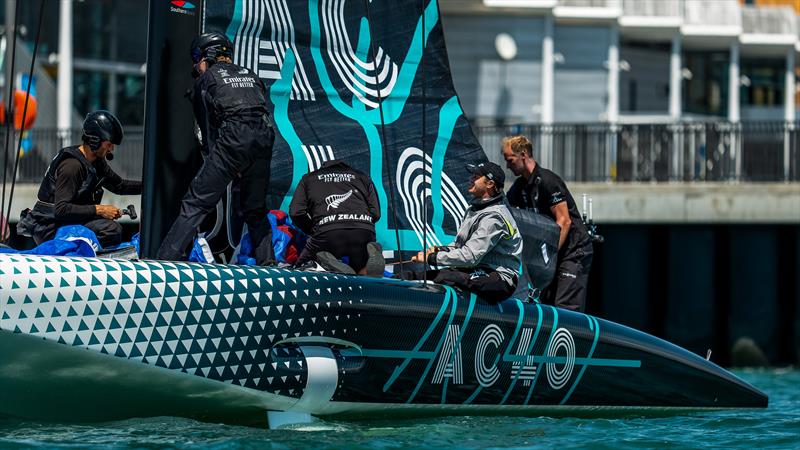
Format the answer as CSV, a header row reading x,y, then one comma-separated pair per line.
x,y
626,90
109,40
622,60
575,61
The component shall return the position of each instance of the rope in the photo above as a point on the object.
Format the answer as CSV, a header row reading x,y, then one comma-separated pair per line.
x,y
384,142
9,110
25,108
424,153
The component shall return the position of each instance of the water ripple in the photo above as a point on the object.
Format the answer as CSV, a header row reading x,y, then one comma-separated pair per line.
x,y
776,427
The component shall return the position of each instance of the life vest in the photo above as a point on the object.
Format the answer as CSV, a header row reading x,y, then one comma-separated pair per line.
x,y
238,92
91,190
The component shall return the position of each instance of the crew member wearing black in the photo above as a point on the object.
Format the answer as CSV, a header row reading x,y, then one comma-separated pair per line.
x,y
230,107
545,192
338,207
72,188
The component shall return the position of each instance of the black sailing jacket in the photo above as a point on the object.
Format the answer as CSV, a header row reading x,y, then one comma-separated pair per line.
x,y
79,205
226,92
335,196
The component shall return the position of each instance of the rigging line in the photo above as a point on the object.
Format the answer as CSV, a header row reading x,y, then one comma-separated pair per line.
x,y
384,142
10,109
25,108
424,154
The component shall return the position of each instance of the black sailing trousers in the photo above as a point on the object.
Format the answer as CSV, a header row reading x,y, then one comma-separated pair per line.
x,y
488,285
350,242
243,149
571,281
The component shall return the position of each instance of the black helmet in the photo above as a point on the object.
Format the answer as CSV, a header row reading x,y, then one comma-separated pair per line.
x,y
101,126
210,46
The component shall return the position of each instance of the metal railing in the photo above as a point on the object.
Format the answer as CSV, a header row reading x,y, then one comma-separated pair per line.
x,y
47,142
692,12
653,8
687,151
590,3
674,152
717,13
768,20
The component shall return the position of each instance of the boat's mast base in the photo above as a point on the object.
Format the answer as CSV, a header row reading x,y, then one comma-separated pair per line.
x,y
278,419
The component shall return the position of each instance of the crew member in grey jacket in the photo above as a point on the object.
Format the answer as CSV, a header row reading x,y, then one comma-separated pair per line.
x,y
486,257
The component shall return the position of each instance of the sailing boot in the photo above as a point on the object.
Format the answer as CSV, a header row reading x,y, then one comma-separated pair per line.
x,y
331,264
309,266
265,254
375,263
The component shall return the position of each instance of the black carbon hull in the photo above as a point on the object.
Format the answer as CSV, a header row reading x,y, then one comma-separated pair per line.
x,y
227,341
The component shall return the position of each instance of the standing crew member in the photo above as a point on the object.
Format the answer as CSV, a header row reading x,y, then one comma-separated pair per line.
x,y
338,207
230,107
72,188
546,193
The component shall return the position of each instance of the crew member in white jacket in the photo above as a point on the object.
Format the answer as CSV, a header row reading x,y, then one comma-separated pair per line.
x,y
486,256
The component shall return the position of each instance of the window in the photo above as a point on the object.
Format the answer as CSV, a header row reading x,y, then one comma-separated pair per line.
x,y
762,82
705,83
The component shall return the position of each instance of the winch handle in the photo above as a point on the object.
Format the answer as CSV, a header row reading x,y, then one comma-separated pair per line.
x,y
130,211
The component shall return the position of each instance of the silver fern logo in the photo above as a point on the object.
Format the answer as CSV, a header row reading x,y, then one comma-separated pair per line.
x,y
333,201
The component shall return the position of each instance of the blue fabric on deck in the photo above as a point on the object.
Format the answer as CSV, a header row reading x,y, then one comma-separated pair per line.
x,y
280,241
201,252
78,233
134,242
70,240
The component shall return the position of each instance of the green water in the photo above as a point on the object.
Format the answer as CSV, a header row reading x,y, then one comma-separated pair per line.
x,y
775,427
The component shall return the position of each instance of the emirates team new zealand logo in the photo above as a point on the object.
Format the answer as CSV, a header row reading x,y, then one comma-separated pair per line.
x,y
333,201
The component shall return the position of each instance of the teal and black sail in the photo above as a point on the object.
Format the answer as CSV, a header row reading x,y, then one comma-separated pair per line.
x,y
367,82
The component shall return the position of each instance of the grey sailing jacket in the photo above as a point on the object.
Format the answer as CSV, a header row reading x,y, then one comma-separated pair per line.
x,y
488,238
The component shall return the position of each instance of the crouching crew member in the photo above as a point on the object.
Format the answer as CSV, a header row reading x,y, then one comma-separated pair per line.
x,y
72,188
486,257
337,206
230,107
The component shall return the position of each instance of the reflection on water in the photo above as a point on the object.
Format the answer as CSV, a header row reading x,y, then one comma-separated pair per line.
x,y
776,427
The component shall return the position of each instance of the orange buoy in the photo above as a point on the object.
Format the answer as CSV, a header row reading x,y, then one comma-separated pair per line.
x,y
19,109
